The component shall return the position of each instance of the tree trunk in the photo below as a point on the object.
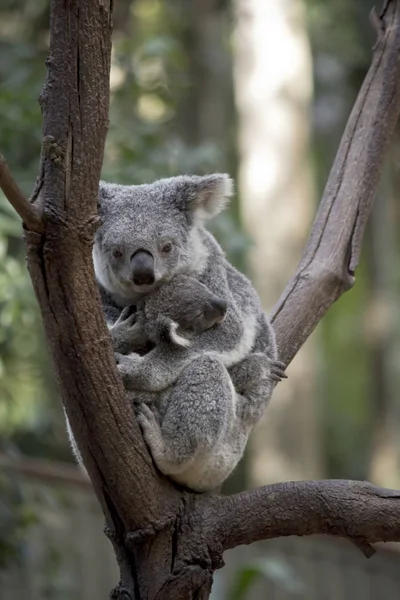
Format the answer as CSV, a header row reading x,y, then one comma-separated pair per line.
x,y
273,84
205,114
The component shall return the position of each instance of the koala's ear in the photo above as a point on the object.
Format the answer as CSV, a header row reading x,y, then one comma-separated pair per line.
x,y
205,196
105,196
177,339
163,328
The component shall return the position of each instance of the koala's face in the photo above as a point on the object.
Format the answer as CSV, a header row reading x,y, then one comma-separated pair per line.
x,y
190,304
148,232
180,308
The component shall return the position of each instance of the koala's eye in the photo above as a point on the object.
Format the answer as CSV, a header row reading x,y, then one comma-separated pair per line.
x,y
167,247
116,253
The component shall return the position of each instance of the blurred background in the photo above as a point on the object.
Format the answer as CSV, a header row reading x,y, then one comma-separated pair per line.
x,y
260,89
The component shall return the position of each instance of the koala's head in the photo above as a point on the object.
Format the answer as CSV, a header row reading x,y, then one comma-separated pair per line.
x,y
180,308
150,232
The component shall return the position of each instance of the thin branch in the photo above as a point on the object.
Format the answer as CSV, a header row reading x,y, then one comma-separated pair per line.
x,y
359,511
331,256
50,471
28,212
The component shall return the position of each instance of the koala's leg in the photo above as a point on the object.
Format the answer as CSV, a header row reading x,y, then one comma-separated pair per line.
x,y
155,371
160,450
200,408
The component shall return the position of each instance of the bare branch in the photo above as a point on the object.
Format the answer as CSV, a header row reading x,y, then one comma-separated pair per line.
x,y
45,470
359,511
28,212
331,256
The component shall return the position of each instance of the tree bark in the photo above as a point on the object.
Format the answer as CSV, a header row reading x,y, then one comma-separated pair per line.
x,y
168,542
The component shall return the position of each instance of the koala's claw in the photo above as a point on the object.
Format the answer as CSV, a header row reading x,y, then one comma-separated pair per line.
x,y
145,414
148,423
278,371
126,318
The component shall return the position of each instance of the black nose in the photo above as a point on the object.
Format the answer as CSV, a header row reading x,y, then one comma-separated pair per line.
x,y
142,265
219,307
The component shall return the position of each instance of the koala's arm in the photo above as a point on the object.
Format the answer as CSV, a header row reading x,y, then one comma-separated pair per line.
x,y
254,380
156,370
128,333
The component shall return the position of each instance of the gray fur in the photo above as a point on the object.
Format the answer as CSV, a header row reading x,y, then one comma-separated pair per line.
x,y
152,217
144,217
197,428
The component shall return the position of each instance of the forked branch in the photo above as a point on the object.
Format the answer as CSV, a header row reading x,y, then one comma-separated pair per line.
x,y
358,511
190,529
331,256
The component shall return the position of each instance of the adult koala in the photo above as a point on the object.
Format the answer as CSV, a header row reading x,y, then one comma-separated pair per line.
x,y
150,233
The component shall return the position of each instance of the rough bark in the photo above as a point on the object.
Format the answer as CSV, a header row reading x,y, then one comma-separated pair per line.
x,y
169,542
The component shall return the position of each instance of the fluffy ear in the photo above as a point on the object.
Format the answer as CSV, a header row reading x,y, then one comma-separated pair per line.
x,y
205,196
177,339
106,196
163,328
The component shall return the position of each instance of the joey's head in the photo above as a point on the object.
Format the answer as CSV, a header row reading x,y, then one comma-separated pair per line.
x,y
151,232
180,308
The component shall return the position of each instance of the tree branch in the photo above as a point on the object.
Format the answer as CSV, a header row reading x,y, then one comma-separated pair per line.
x,y
169,542
358,511
326,269
29,213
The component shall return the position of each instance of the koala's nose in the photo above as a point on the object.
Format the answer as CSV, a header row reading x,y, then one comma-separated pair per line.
x,y
142,266
219,308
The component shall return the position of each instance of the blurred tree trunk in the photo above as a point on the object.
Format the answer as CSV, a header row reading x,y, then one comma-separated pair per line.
x,y
205,115
273,86
382,334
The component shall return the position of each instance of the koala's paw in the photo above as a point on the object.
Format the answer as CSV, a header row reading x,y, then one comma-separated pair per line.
x,y
148,424
123,330
127,365
126,319
277,370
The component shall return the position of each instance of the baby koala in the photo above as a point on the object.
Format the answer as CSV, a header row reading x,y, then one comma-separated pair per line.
x,y
201,414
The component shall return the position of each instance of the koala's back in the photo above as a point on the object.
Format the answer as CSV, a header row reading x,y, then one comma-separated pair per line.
x,y
245,318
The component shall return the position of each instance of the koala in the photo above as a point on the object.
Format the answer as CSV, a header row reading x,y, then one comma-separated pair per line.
x,y
196,429
182,303
168,318
151,232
